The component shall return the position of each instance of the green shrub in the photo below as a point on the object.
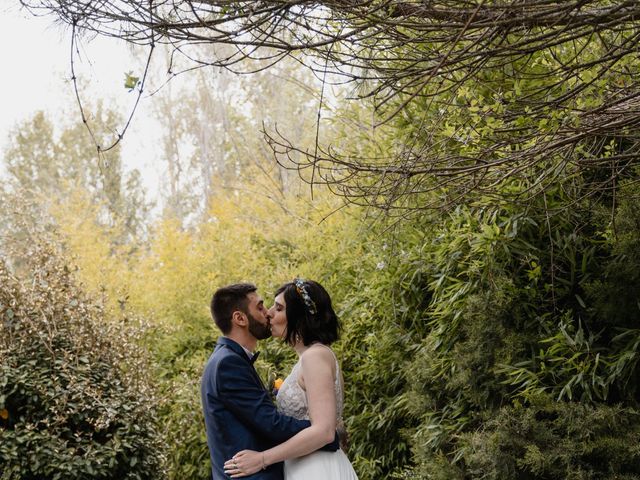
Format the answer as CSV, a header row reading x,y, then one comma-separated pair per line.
x,y
556,441
522,304
75,399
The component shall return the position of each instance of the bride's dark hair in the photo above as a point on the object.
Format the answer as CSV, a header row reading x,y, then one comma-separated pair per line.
x,y
310,315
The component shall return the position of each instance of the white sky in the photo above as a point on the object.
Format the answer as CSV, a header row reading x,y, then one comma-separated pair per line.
x,y
35,59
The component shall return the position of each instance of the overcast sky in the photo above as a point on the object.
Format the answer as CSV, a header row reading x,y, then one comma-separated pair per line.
x,y
36,72
33,65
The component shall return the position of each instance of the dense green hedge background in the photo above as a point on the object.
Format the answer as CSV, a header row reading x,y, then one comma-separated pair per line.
x,y
492,342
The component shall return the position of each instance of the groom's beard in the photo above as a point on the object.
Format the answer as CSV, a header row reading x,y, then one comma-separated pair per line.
x,y
257,329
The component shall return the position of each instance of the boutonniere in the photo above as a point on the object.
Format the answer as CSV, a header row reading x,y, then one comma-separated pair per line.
x,y
275,386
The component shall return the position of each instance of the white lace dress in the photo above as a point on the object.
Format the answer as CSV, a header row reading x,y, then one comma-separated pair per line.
x,y
320,465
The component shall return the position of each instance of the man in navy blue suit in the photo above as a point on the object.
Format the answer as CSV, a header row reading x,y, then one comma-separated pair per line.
x,y
238,410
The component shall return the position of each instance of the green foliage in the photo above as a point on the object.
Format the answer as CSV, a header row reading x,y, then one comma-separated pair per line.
x,y
44,168
516,300
187,452
446,320
130,81
556,440
582,365
375,350
73,383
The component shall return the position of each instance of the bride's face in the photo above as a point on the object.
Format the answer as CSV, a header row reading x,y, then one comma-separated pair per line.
x,y
278,316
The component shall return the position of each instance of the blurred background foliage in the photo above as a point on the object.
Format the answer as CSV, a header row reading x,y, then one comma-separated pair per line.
x,y
491,339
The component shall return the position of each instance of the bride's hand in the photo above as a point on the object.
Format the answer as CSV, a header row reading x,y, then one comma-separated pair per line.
x,y
243,463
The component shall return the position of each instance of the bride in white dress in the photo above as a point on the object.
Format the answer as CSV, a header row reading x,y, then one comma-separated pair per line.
x,y
302,316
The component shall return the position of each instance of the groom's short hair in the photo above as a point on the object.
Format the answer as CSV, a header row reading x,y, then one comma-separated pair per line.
x,y
227,300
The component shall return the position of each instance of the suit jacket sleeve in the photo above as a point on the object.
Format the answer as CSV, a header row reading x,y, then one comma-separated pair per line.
x,y
240,391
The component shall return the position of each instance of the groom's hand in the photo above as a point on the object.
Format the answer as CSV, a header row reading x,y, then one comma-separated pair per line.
x,y
333,446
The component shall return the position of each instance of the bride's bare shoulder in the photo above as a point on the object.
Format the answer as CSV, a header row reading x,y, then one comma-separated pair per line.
x,y
318,357
318,351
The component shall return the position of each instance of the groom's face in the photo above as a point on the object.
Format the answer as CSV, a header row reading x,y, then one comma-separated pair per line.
x,y
258,319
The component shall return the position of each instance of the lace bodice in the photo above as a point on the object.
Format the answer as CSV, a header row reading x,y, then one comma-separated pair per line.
x,y
292,399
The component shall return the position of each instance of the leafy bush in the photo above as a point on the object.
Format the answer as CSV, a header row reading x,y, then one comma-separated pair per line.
x,y
556,441
523,312
75,399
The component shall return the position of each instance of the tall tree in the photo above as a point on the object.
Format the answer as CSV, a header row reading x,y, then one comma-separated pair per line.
x,y
212,132
42,168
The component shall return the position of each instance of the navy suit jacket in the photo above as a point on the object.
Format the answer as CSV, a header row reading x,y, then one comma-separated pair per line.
x,y
238,411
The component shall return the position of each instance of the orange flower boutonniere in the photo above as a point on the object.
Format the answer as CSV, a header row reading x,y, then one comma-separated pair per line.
x,y
277,383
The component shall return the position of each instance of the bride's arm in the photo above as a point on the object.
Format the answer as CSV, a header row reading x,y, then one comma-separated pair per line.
x,y
318,372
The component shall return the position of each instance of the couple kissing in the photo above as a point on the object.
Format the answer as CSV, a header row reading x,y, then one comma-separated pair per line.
x,y
247,434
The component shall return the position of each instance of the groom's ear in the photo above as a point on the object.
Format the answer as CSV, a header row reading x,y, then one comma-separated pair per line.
x,y
239,318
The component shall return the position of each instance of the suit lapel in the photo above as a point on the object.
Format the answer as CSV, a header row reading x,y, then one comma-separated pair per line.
x,y
237,348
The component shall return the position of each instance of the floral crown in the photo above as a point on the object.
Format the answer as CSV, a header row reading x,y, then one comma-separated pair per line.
x,y
302,291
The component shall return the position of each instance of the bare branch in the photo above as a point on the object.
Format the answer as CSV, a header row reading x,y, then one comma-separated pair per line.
x,y
478,91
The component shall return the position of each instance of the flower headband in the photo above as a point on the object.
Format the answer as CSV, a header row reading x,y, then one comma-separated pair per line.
x,y
302,291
